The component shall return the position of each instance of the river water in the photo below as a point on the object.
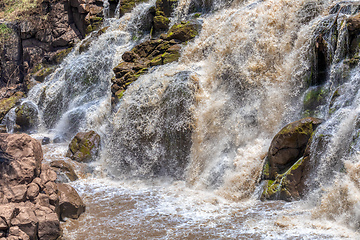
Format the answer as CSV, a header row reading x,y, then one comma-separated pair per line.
x,y
217,109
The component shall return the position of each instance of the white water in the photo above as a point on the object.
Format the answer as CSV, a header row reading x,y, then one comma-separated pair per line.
x,y
183,153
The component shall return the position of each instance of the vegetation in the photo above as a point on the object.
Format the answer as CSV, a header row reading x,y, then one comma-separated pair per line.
x,y
14,9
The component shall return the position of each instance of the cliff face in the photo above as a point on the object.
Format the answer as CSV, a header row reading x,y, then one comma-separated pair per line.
x,y
40,33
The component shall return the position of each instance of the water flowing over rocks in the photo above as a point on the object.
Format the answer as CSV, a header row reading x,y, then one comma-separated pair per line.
x,y
31,203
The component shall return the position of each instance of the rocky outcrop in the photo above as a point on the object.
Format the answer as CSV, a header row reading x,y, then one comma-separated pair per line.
x,y
286,163
84,147
30,200
26,116
151,53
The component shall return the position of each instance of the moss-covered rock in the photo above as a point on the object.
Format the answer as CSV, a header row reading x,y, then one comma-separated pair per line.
x,y
183,31
8,103
84,147
161,23
289,144
286,164
26,116
127,5
314,98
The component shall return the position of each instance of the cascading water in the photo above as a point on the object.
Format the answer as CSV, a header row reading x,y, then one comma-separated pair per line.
x,y
183,150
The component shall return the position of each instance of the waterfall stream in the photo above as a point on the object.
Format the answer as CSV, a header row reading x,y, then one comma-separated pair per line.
x,y
183,150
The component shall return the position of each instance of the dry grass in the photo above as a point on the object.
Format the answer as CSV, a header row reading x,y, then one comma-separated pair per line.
x,y
14,9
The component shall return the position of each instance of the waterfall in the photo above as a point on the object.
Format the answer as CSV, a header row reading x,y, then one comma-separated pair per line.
x,y
199,128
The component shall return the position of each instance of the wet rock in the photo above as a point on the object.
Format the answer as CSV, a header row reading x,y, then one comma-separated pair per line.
x,y
84,147
71,205
289,144
354,23
26,116
127,5
64,171
287,162
45,141
8,103
183,31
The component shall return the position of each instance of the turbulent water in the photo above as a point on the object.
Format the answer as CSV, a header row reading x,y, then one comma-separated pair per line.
x,y
182,153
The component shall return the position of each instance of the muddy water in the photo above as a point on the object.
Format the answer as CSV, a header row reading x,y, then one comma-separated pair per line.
x,y
160,209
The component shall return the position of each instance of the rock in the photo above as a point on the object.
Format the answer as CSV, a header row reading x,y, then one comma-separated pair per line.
x,y
127,5
129,56
354,23
3,128
161,23
8,103
64,171
16,193
45,140
287,162
71,205
49,224
26,221
27,116
47,174
32,191
16,233
84,147
21,159
289,144
183,31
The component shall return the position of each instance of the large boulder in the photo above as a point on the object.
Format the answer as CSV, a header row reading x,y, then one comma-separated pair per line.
x,y
286,164
71,205
20,157
84,147
64,171
289,144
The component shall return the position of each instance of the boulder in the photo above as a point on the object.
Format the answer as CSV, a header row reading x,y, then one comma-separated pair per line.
x,y
48,223
71,205
84,147
64,171
26,221
289,144
183,31
26,116
21,158
287,162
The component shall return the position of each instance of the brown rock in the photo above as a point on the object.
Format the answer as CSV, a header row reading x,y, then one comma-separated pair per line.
x,y
8,212
289,144
47,174
26,221
71,205
129,56
32,191
49,224
23,156
354,23
15,233
16,193
63,168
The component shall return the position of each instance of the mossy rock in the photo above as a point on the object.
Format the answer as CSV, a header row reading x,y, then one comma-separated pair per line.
x,y
27,116
60,56
127,5
315,98
288,186
183,31
43,72
8,103
289,144
161,23
84,147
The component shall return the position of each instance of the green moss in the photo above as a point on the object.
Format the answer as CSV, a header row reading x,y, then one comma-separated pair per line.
x,y
170,57
127,5
197,15
156,61
5,31
59,57
8,103
119,94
